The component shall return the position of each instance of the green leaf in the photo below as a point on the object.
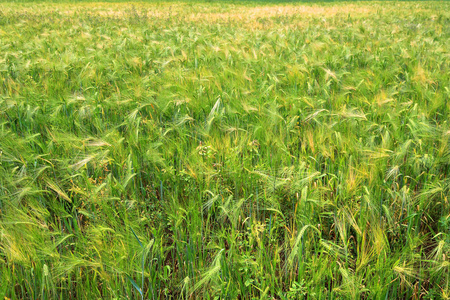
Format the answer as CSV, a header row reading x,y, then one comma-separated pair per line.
x,y
135,284
135,235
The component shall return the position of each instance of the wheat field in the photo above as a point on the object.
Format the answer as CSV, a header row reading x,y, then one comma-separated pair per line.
x,y
224,150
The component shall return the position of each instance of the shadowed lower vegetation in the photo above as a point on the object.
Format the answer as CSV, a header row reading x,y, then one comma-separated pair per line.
x,y
224,151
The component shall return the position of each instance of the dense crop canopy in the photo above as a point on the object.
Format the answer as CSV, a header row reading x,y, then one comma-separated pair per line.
x,y
213,150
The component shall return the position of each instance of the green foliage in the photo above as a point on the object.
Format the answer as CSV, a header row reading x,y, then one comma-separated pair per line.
x,y
218,150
